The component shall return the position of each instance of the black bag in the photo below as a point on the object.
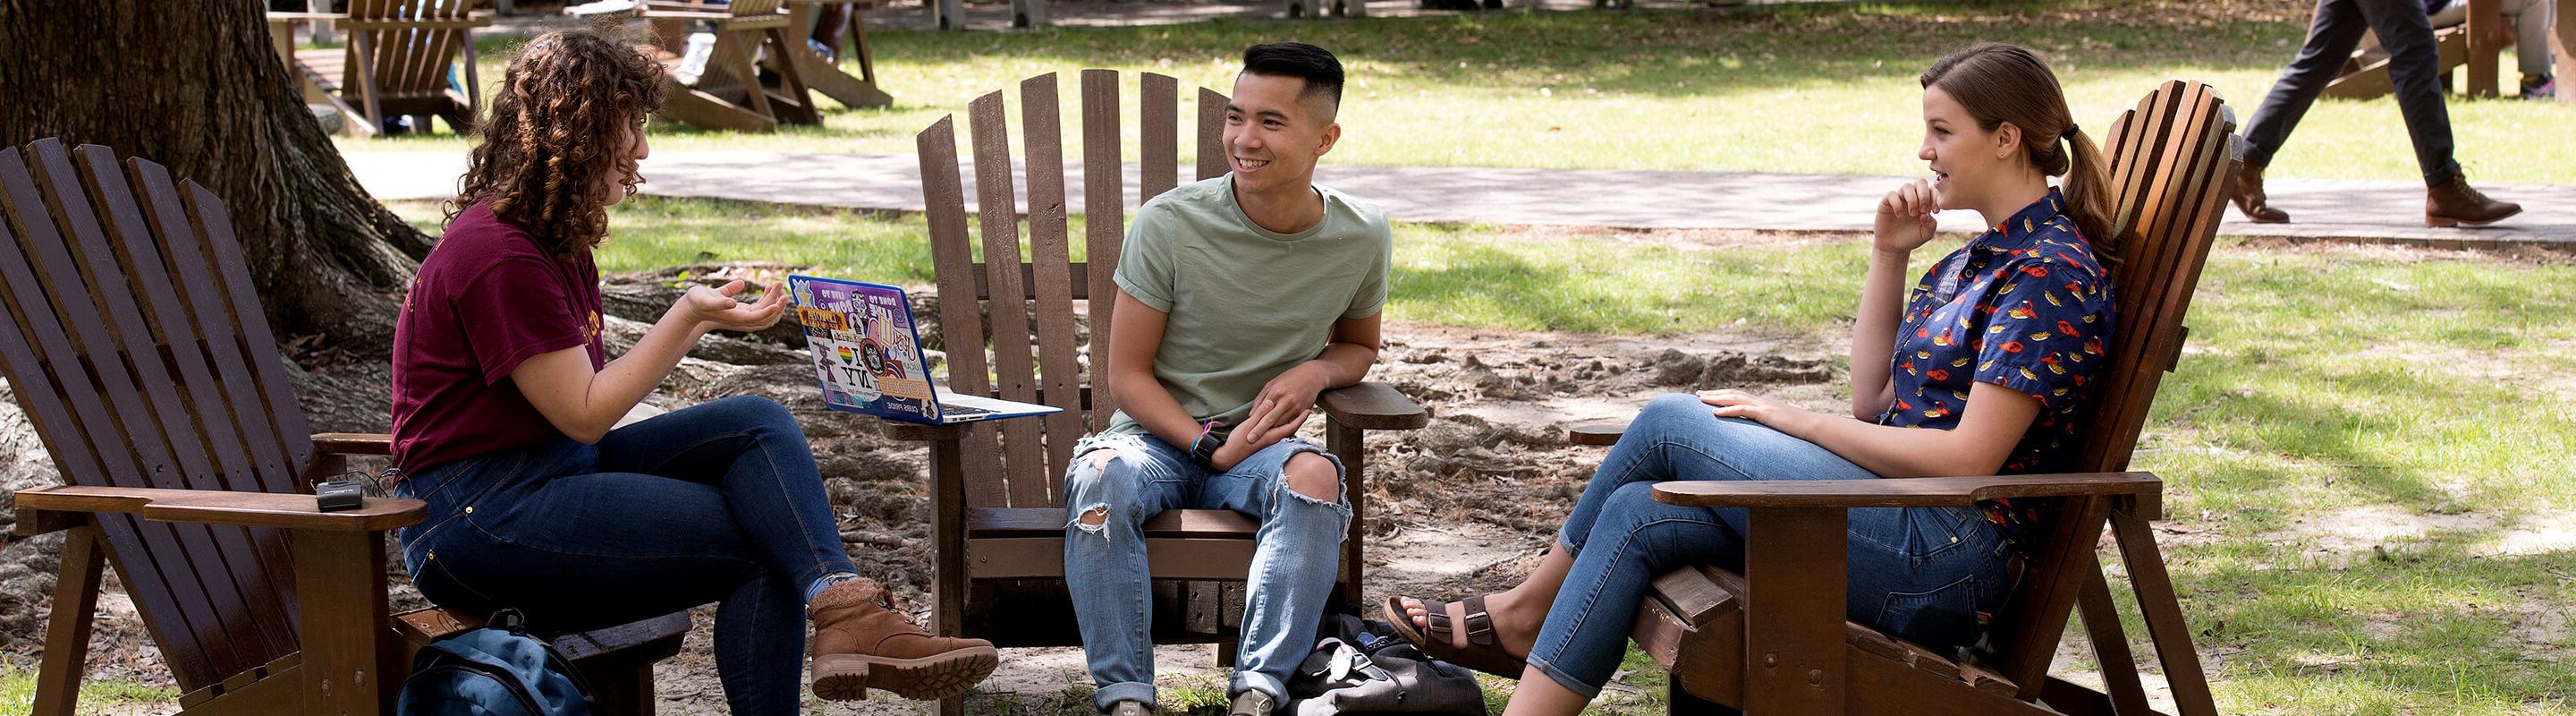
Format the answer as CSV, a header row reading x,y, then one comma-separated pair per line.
x,y
1361,667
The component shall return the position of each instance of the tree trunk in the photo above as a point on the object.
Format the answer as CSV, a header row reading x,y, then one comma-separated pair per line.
x,y
196,86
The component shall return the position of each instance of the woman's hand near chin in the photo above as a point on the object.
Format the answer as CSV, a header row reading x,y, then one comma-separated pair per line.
x,y
1905,219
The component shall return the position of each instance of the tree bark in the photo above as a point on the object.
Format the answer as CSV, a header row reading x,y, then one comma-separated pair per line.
x,y
196,86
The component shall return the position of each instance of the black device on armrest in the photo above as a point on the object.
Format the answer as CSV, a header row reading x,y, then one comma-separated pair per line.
x,y
337,495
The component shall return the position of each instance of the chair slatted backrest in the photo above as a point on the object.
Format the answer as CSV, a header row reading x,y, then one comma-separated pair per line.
x,y
737,42
2171,159
1020,463
131,337
409,62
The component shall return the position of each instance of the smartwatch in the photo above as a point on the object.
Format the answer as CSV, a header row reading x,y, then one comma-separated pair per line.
x,y
1203,449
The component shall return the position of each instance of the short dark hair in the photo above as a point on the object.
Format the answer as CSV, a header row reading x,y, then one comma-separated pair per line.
x,y
1316,65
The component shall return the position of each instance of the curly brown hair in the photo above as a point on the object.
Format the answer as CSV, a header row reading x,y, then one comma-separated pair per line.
x,y
555,134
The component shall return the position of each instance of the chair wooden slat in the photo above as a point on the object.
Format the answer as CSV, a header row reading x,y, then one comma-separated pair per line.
x,y
1059,369
2188,167
1212,155
129,272
212,329
27,322
1160,151
286,415
2213,166
265,461
961,323
1013,372
155,419
1104,225
196,646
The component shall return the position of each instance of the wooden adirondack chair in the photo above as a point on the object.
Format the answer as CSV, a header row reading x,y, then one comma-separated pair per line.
x,y
731,94
1773,639
403,52
998,505
131,338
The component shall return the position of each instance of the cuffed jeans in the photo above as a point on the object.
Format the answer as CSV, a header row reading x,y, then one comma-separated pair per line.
x,y
1920,573
2414,67
1293,566
719,502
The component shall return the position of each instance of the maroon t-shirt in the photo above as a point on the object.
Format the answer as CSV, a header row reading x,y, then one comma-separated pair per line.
x,y
487,298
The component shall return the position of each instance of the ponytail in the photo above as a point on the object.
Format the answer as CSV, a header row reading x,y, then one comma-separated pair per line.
x,y
2088,197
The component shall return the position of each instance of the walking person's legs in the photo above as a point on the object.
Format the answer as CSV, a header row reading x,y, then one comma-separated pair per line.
x,y
2332,35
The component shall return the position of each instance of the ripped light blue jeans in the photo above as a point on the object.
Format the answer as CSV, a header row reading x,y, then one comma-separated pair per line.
x,y
1105,566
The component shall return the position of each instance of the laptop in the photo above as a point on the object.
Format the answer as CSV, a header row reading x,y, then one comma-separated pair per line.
x,y
868,356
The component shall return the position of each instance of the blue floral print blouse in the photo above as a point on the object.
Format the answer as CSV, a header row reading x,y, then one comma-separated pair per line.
x,y
2024,305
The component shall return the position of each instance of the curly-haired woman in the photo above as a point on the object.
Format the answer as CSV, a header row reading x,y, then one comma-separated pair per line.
x,y
504,406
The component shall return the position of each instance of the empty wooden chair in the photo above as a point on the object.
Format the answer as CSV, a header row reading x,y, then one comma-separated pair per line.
x,y
732,92
400,61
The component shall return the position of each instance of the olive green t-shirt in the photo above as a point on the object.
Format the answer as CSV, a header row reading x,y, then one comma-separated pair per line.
x,y
1246,303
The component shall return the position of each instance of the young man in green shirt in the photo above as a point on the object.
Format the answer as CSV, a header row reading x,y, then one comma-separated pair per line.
x,y
1240,299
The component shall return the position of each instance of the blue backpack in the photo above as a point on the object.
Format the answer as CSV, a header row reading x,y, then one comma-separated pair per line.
x,y
497,670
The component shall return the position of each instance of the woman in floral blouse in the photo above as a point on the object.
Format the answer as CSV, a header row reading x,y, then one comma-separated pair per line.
x,y
1983,368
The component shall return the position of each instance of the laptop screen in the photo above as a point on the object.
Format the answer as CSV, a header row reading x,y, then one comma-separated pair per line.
x,y
865,350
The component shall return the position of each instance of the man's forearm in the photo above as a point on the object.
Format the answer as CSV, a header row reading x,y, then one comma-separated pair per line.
x,y
1344,364
1144,399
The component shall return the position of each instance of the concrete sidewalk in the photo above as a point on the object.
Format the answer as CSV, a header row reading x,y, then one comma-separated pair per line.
x,y
2322,209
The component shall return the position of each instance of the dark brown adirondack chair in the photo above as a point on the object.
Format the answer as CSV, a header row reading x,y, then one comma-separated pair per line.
x,y
1773,639
731,93
998,504
131,338
397,63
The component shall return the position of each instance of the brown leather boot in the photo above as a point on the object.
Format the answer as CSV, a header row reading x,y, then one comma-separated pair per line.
x,y
2249,197
2454,203
860,643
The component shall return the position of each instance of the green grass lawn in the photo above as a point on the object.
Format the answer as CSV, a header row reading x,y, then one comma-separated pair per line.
x,y
18,692
1817,89
2328,393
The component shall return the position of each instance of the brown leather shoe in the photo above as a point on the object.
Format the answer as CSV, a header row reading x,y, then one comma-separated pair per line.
x,y
860,643
2249,197
2454,203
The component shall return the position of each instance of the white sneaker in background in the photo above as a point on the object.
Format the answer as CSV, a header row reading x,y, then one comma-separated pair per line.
x,y
693,61
602,7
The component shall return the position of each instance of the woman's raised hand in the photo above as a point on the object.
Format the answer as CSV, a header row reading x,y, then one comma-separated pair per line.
x,y
1905,217
715,308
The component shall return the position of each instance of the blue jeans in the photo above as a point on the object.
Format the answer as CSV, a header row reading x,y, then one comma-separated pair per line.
x,y
1920,573
1293,568
719,502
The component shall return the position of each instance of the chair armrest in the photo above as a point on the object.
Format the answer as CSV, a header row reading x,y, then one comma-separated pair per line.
x,y
354,443
1596,433
248,509
1900,492
1372,406
276,16
920,432
464,23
